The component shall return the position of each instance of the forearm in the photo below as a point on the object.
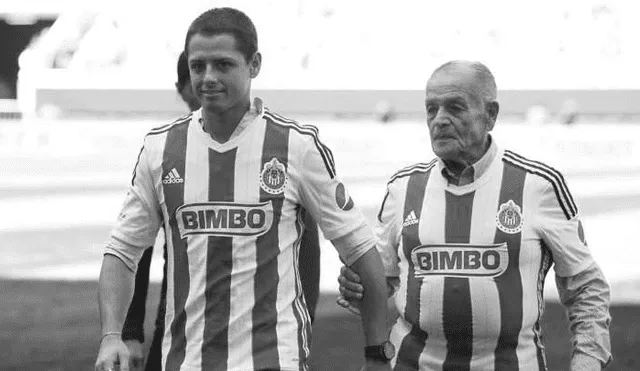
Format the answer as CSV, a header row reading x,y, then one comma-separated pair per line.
x,y
374,302
133,328
115,289
586,297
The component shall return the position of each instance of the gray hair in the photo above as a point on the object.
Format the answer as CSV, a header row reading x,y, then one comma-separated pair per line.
x,y
487,85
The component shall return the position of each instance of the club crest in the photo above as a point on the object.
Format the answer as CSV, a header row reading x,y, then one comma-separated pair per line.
x,y
273,178
509,218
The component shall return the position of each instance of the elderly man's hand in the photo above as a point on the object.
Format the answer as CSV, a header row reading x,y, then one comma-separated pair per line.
x,y
351,290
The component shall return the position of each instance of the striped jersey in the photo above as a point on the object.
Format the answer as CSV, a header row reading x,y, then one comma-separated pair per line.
x,y
472,260
232,213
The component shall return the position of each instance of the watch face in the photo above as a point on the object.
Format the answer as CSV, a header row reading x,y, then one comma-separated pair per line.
x,y
389,350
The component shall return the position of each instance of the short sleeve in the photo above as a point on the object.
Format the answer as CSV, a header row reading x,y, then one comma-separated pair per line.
x,y
563,232
139,219
388,228
325,196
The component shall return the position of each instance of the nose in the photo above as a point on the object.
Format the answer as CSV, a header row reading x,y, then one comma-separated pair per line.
x,y
210,75
440,117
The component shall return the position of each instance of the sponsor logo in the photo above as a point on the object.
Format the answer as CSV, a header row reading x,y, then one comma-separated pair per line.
x,y
509,218
172,177
224,219
343,199
460,260
273,178
411,219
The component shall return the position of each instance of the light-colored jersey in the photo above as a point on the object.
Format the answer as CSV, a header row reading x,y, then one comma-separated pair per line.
x,y
472,261
233,219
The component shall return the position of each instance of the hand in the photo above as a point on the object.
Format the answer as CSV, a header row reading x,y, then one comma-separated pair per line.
x,y
351,290
583,362
113,352
371,365
135,350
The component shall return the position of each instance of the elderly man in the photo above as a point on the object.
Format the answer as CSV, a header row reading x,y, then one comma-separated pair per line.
x,y
467,240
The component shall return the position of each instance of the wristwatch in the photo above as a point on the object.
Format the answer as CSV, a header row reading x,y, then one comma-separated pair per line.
x,y
383,352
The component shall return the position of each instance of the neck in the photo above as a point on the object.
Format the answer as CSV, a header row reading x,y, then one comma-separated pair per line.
x,y
220,125
457,165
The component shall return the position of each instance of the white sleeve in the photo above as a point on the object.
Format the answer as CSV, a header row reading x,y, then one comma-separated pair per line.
x,y
388,228
329,202
563,233
139,220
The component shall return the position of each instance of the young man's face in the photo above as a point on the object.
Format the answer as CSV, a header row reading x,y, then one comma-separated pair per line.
x,y
220,74
458,119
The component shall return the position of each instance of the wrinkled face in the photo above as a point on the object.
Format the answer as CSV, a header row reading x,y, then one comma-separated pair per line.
x,y
220,74
459,121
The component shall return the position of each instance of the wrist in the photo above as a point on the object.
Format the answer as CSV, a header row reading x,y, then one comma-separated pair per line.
x,y
382,353
111,334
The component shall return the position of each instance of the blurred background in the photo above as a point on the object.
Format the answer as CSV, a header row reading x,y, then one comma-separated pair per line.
x,y
82,82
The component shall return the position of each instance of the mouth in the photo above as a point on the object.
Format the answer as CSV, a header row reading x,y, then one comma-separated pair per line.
x,y
211,93
444,137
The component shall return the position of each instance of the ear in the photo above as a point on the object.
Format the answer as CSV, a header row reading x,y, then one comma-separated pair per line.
x,y
492,109
255,64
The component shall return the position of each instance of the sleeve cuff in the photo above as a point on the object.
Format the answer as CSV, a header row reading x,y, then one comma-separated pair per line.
x,y
355,244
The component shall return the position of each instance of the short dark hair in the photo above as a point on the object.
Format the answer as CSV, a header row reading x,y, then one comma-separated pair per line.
x,y
183,70
226,20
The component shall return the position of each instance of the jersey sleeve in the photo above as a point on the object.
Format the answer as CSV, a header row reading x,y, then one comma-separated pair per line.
x,y
388,228
139,219
562,231
329,203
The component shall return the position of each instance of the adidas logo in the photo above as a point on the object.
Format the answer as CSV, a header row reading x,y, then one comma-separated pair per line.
x,y
411,219
172,177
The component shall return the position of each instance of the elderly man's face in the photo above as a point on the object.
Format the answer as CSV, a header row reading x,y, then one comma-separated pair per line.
x,y
457,117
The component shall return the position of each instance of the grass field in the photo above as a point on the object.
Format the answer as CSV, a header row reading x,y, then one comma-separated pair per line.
x,y
54,326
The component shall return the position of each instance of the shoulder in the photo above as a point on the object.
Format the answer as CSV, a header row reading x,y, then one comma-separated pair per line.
x,y
156,137
181,122
550,182
298,130
538,168
407,171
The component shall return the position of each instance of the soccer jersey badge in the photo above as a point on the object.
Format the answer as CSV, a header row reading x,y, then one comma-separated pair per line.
x,y
273,178
509,218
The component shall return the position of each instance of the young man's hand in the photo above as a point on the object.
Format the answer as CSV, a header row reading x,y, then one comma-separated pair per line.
x,y
113,352
135,351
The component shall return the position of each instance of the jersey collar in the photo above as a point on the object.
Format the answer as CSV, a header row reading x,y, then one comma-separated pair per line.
x,y
473,172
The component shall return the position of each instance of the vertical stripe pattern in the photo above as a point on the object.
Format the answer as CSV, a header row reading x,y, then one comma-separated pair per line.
x,y
457,318
545,265
413,343
219,265
510,283
265,315
174,158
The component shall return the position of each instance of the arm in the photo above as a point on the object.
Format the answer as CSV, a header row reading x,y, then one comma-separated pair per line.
x,y
374,304
133,329
310,265
115,288
374,308
586,297
134,231
581,284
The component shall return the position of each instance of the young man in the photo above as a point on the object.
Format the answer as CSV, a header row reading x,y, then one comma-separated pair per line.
x,y
230,183
133,330
467,240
